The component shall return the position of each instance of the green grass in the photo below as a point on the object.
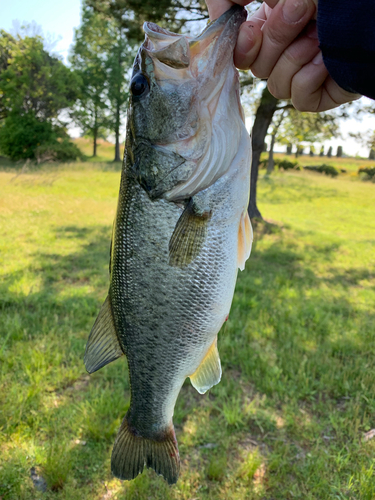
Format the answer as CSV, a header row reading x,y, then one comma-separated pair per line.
x,y
298,351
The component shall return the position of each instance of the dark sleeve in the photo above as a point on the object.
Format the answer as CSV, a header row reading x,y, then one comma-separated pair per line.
x,y
346,30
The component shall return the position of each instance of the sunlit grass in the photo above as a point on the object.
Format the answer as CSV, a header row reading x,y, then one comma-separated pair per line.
x,y
298,350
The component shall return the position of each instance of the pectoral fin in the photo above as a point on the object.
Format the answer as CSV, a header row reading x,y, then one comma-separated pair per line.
x,y
245,239
103,345
208,373
188,236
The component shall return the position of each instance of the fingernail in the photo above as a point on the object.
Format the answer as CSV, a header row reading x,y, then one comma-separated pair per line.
x,y
294,10
318,59
246,39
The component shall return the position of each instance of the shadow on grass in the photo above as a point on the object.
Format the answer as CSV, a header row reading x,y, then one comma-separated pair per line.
x,y
300,190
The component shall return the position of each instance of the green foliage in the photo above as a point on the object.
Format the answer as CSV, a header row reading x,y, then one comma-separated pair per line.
x,y
288,165
323,169
368,171
57,464
282,164
297,127
249,467
33,81
102,57
21,135
63,150
131,14
34,88
88,59
216,468
24,136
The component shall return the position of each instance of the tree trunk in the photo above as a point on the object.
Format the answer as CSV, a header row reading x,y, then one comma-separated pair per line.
x,y
117,132
271,162
263,118
118,106
95,133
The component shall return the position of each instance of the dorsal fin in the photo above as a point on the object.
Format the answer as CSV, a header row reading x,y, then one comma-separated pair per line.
x,y
103,345
208,372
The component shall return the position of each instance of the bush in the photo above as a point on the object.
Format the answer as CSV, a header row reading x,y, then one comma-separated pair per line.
x,y
369,171
288,165
21,135
281,164
58,151
323,169
25,137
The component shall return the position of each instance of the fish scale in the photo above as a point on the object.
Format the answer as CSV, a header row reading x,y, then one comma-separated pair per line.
x,y
181,232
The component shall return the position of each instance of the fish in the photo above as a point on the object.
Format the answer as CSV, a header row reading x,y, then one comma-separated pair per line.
x,y
180,234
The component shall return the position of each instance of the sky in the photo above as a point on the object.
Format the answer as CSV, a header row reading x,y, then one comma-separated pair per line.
x,y
59,18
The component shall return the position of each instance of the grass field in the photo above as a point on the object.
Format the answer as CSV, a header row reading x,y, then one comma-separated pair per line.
x,y
297,396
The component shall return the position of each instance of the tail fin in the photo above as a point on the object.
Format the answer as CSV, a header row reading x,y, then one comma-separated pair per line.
x,y
131,453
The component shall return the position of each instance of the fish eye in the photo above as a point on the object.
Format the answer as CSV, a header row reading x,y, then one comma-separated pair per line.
x,y
139,85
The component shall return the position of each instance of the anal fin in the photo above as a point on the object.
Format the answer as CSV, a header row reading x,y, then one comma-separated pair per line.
x,y
188,236
103,345
245,240
208,373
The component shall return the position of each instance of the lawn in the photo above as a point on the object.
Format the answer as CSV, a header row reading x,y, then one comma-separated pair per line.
x,y
297,397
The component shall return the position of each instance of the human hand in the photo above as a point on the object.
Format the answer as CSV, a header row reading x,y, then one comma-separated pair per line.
x,y
280,42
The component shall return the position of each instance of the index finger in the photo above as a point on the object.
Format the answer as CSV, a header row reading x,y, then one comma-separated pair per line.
x,y
284,23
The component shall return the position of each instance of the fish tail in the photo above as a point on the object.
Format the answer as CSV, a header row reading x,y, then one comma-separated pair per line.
x,y
132,452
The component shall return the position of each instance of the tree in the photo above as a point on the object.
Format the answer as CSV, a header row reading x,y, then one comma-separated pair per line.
x,y
34,88
298,128
103,56
119,59
367,139
263,119
276,125
88,58
131,14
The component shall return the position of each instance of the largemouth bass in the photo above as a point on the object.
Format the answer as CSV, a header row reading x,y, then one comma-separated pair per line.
x,y
180,234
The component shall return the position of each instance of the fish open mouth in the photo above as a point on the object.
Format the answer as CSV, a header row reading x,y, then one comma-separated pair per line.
x,y
207,52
